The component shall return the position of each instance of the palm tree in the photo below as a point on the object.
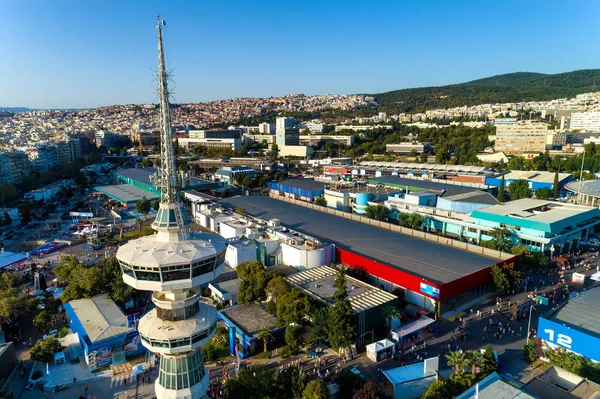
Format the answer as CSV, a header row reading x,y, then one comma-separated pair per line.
x,y
461,379
458,360
390,312
475,359
266,335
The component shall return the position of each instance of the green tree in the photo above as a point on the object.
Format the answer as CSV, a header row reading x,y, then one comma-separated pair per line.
x,y
519,189
254,282
590,149
6,219
42,321
321,201
316,389
265,335
458,360
499,278
7,193
143,207
516,163
500,239
475,359
415,221
369,390
423,157
437,390
156,205
501,188
530,351
543,193
25,214
44,350
390,312
555,185
292,338
292,306
113,280
240,210
489,363
377,212
349,383
342,330
277,287
274,154
146,163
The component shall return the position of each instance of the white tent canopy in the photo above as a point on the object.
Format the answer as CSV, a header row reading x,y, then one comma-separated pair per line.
x,y
403,331
376,347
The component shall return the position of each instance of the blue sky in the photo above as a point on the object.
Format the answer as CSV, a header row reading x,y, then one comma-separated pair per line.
x,y
85,53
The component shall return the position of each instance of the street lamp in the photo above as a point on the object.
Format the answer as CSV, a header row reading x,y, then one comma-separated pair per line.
x,y
529,323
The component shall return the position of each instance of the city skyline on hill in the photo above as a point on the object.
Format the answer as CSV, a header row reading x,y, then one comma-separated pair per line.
x,y
68,54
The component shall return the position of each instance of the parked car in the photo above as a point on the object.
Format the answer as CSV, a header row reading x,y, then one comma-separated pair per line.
x,y
357,372
51,333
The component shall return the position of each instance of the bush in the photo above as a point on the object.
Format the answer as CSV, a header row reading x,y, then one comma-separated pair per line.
x,y
63,332
44,350
530,352
36,375
209,352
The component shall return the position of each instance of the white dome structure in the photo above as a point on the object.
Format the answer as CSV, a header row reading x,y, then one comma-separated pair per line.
x,y
173,263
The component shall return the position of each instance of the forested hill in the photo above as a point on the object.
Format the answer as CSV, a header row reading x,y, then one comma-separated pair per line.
x,y
511,87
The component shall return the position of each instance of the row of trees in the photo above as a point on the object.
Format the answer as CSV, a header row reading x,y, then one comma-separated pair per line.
x,y
291,383
335,323
86,281
481,365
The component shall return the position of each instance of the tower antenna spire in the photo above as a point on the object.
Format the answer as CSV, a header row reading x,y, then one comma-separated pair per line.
x,y
169,179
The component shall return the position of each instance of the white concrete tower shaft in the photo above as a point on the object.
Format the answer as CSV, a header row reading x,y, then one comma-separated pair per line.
x,y
174,263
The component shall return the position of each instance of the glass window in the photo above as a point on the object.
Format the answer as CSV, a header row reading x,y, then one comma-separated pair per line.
x,y
148,276
176,275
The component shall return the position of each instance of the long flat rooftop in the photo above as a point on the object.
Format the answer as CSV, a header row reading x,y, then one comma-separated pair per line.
x,y
250,318
307,184
581,312
126,193
435,262
138,174
402,182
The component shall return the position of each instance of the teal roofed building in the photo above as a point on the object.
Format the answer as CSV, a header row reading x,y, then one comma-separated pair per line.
x,y
541,225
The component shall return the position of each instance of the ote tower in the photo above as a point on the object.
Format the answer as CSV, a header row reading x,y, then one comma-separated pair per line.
x,y
174,263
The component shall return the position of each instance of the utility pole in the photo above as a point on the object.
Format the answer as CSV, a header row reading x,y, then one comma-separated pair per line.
x,y
580,178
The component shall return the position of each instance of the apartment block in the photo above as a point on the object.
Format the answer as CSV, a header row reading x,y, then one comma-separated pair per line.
x,y
514,139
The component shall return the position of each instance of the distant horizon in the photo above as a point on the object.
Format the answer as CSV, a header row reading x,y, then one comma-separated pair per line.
x,y
72,54
282,95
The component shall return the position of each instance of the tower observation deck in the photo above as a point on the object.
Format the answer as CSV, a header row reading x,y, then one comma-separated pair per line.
x,y
174,263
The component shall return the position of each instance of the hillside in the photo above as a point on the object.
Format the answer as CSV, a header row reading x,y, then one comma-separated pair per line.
x,y
511,87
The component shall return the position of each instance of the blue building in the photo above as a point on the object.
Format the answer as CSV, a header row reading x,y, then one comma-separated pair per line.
x,y
540,225
304,189
574,326
106,334
227,174
536,179
244,323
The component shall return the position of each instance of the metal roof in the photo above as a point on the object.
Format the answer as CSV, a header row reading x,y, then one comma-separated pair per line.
x,y
9,258
307,184
318,283
401,375
494,387
581,312
424,184
474,196
431,260
138,174
588,187
250,318
126,193
100,317
535,175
